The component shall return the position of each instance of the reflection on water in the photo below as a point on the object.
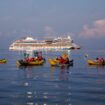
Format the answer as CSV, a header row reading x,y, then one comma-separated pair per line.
x,y
64,72
97,66
45,85
42,88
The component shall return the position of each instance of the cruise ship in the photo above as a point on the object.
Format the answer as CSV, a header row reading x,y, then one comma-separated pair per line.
x,y
57,43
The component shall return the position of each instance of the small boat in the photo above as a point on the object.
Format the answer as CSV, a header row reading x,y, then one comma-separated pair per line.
x,y
31,63
55,62
95,62
3,60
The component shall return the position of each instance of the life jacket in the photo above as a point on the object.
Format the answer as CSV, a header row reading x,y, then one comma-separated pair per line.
x,y
62,61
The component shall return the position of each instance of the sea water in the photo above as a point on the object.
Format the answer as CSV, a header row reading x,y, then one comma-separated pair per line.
x,y
45,85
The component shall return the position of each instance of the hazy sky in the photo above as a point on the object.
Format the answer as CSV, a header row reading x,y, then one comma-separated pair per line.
x,y
83,19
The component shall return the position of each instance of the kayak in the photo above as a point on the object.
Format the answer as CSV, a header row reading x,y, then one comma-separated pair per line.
x,y
94,62
31,63
54,62
3,60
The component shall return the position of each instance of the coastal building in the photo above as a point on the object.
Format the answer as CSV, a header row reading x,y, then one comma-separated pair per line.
x,y
58,43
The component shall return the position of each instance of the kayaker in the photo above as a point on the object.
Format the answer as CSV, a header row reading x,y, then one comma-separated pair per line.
x,y
39,58
61,60
102,60
97,59
67,61
64,61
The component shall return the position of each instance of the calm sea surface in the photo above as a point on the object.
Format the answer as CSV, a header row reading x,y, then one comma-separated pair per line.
x,y
45,85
